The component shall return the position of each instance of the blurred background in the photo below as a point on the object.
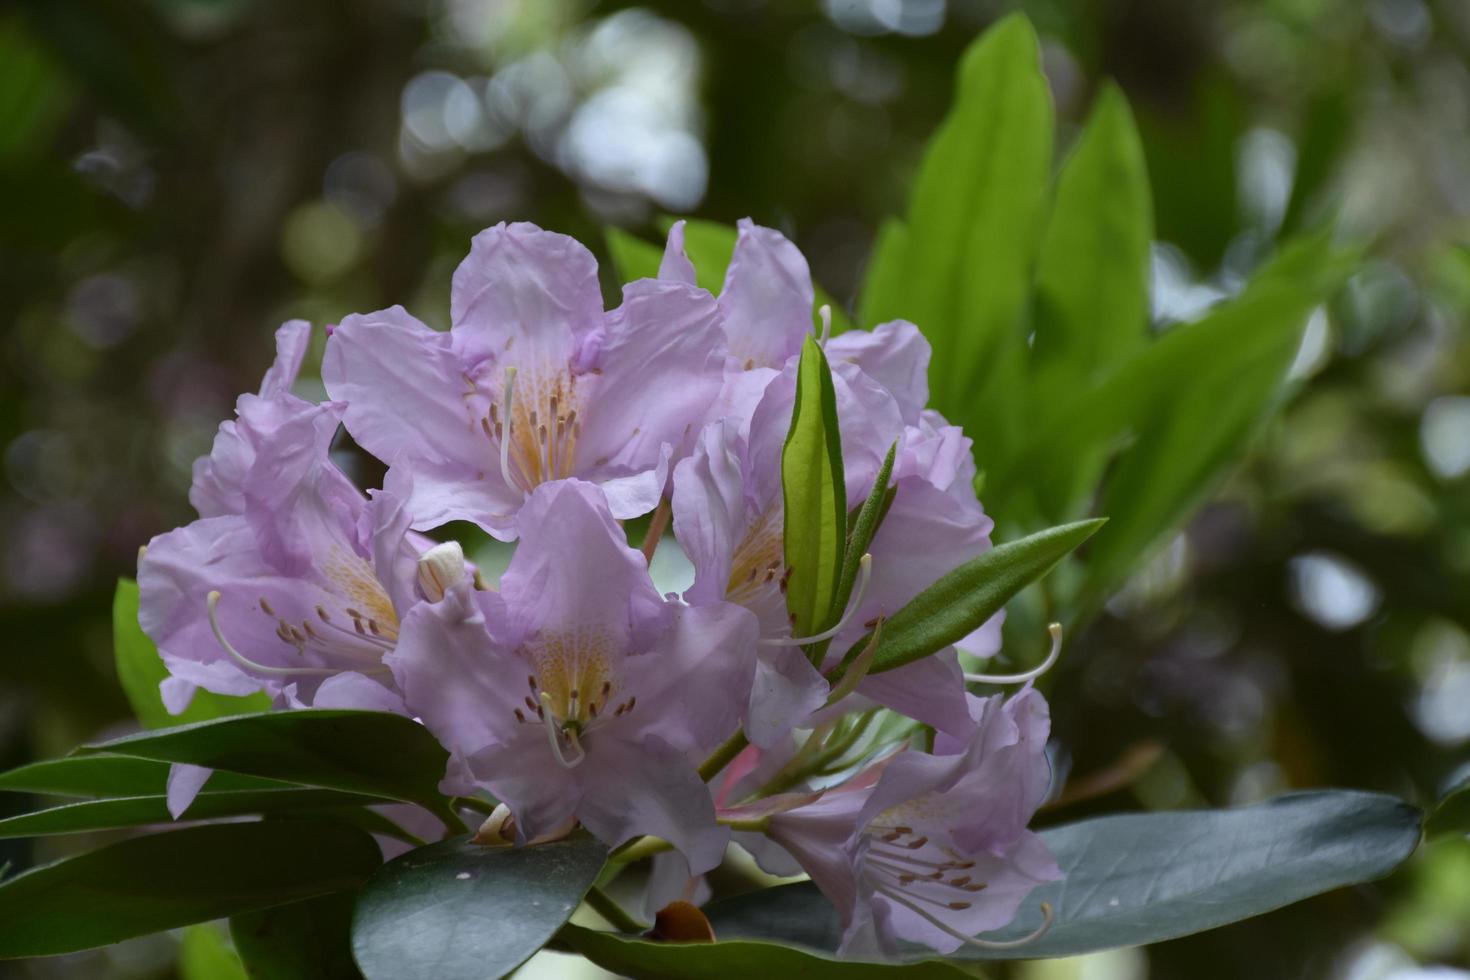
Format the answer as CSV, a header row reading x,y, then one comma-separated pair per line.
x,y
179,176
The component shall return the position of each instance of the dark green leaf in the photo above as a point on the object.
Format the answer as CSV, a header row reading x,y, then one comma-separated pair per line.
x,y
138,811
815,495
140,670
961,601
646,960
1092,269
111,775
371,752
148,884
972,226
1452,816
460,911
1142,878
308,940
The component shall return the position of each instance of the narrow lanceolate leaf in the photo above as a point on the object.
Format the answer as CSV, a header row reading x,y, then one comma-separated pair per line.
x,y
461,911
138,811
961,601
1093,265
862,527
308,940
1146,877
815,495
368,752
972,225
139,671
630,957
164,881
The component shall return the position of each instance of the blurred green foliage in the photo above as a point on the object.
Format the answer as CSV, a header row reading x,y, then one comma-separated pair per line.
x,y
178,176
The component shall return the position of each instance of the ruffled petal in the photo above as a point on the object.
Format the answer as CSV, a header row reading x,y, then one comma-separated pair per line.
x,y
767,298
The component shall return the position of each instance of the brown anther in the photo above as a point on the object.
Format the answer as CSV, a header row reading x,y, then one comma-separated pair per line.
x,y
531,680
606,688
519,717
485,425
960,882
354,613
532,705
306,625
979,886
935,875
592,710
323,614
631,701
917,843
373,627
962,865
906,879
872,622
357,625
266,607
959,906
494,416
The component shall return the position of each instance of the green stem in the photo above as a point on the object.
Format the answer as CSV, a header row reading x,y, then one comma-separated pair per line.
x,y
733,747
758,826
637,850
614,913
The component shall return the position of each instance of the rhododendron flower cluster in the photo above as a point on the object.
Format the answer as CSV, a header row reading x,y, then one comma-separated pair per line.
x,y
572,691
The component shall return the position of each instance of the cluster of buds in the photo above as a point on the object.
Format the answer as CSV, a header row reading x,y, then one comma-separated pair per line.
x,y
574,689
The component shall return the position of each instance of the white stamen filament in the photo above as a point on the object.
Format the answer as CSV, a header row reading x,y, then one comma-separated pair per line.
x,y
825,312
554,733
510,383
865,570
1051,658
244,661
1047,916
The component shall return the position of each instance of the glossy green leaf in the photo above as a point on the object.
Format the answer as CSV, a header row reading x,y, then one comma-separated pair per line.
x,y
1093,265
645,960
205,954
369,752
633,257
138,811
460,911
1142,878
148,884
973,223
140,670
962,600
110,776
815,495
308,940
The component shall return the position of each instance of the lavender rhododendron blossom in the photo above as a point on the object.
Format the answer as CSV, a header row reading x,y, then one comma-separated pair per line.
x,y
533,383
928,848
299,595
577,690
575,694
729,517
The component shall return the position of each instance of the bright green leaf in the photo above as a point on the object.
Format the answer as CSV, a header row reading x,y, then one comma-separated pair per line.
x,y
632,256
308,940
1140,878
110,776
140,670
205,954
815,496
163,881
972,227
369,752
961,601
1093,266
884,282
461,911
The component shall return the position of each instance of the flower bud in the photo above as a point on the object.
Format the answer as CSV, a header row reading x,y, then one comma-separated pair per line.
x,y
440,569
